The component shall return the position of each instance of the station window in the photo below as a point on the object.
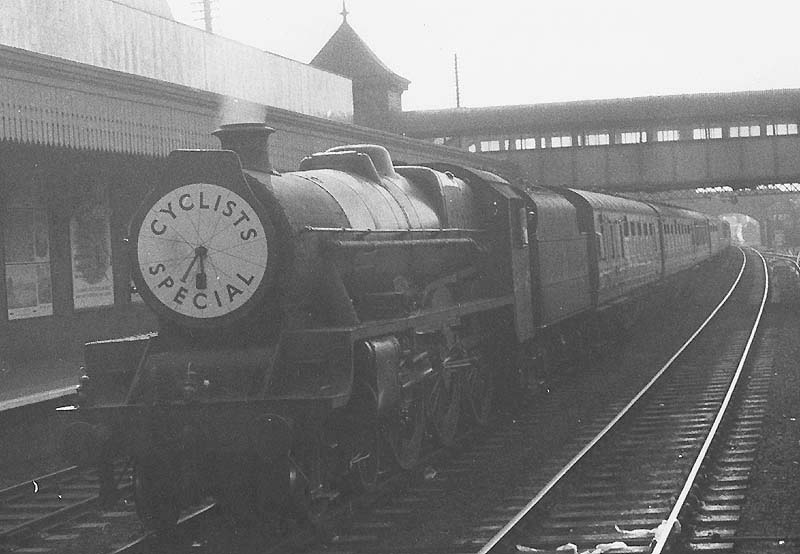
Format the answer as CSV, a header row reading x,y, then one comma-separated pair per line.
x,y
667,135
701,133
743,131
562,141
631,137
525,143
472,148
597,139
490,145
90,244
29,289
781,129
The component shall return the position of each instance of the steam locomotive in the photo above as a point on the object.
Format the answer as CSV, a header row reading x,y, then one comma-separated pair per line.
x,y
318,326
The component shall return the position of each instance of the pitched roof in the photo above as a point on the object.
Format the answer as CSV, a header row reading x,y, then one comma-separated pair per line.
x,y
348,55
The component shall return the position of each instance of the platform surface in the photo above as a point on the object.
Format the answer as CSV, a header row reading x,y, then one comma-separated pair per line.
x,y
23,383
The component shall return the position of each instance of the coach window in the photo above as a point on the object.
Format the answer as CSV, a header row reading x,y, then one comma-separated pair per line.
x,y
613,228
90,244
519,223
29,290
600,237
640,242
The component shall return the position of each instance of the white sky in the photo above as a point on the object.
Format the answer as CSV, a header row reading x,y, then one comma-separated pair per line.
x,y
525,52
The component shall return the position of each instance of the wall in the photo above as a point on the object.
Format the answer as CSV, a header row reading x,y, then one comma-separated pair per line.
x,y
55,183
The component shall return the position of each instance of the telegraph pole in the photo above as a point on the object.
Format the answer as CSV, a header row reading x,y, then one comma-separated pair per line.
x,y
206,9
458,90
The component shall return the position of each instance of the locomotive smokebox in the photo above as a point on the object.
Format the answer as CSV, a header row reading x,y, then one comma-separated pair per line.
x,y
250,141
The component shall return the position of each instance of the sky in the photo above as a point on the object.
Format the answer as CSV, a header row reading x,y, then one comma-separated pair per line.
x,y
528,52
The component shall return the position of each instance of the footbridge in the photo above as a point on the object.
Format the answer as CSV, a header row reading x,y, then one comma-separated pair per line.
x,y
739,140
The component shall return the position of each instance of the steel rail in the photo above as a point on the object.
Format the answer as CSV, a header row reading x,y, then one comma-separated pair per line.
x,y
31,487
785,257
606,430
660,542
34,486
35,482
141,544
56,516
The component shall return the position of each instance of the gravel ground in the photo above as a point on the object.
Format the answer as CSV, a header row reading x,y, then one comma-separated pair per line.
x,y
773,501
30,443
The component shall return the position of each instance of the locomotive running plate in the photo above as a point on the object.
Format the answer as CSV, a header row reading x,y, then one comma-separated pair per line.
x,y
202,251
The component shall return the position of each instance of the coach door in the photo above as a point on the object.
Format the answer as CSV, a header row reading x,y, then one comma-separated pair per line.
x,y
521,267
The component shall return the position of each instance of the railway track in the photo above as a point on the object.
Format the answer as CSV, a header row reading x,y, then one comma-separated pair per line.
x,y
718,502
400,525
32,505
95,530
636,483
61,512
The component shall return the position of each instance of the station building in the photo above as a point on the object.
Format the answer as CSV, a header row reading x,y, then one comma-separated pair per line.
x,y
93,96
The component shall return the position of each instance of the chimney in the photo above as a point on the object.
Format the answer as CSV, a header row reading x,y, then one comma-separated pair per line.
x,y
250,141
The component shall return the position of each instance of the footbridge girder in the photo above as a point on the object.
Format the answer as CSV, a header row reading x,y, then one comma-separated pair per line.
x,y
659,166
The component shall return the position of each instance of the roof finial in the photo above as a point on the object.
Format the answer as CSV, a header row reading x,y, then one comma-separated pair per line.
x,y
344,12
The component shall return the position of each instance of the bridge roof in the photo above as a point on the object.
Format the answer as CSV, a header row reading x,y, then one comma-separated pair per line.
x,y
601,114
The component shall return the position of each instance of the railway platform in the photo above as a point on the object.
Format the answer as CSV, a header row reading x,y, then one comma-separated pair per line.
x,y
31,382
